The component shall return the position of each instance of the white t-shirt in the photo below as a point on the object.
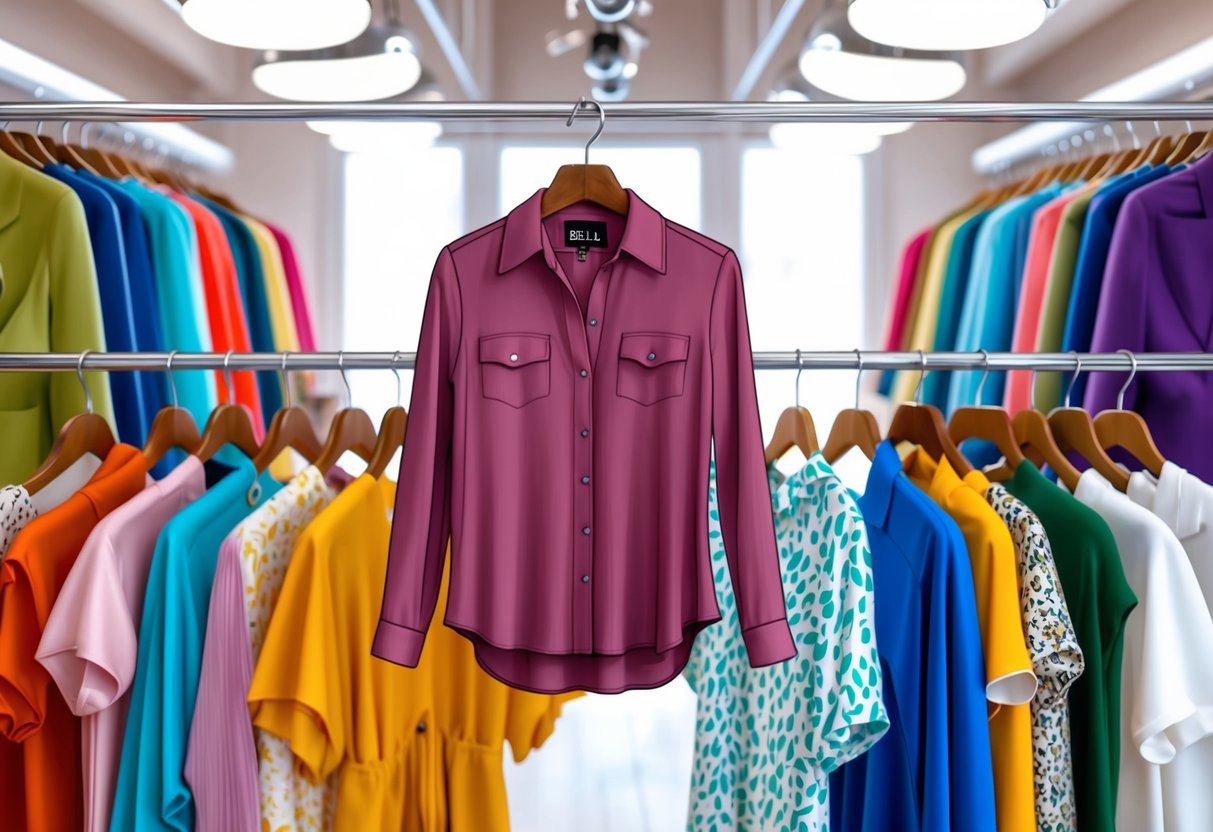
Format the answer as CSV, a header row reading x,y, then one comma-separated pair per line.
x,y
1167,681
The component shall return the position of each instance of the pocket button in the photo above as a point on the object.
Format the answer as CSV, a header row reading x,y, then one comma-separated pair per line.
x,y
652,356
513,356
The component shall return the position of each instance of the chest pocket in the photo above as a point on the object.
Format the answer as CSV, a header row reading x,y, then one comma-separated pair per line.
x,y
652,366
515,368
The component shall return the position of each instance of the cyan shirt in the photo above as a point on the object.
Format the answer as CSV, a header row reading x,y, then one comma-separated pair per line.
x,y
174,249
932,771
151,792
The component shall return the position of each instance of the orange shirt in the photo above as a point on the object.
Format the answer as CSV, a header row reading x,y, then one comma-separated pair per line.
x,y
39,736
224,302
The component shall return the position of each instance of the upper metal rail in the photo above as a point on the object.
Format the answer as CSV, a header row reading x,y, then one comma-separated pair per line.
x,y
752,112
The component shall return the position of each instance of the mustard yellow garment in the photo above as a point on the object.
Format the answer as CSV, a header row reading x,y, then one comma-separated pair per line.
x,y
282,314
411,749
48,302
1010,680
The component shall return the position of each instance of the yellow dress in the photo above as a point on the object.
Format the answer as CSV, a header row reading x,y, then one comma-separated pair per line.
x,y
282,314
411,749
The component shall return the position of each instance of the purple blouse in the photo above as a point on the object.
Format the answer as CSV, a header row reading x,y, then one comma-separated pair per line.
x,y
573,374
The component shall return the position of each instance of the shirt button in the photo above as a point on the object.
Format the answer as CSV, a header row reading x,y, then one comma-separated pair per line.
x,y
585,373
586,530
585,579
513,356
593,322
585,480
585,432
652,356
421,727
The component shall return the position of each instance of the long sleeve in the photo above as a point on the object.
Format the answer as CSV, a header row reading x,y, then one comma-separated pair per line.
x,y
1120,323
744,494
421,520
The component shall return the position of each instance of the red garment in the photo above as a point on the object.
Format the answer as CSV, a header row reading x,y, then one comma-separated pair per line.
x,y
224,304
899,317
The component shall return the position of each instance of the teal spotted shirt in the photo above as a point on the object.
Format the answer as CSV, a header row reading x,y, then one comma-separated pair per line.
x,y
767,738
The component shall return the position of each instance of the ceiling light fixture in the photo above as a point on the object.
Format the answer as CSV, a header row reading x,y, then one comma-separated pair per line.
x,y
948,24
610,11
605,60
278,24
380,63
359,136
844,138
838,60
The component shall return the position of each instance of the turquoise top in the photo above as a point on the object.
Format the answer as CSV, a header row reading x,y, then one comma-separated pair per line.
x,y
151,792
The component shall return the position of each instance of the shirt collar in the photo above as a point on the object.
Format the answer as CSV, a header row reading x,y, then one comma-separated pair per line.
x,y
878,495
643,234
1173,497
788,492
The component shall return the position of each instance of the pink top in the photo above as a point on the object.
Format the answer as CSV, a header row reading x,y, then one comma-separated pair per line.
x,y
90,641
1032,295
572,375
294,284
899,316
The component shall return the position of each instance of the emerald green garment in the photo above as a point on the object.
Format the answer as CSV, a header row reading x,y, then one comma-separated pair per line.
x,y
1099,600
48,302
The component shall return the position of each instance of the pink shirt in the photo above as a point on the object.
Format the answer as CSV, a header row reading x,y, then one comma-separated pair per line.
x,y
1032,295
911,256
90,640
572,375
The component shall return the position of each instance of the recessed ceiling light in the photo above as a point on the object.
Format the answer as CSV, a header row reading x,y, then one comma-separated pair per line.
x,y
947,24
278,24
380,63
839,61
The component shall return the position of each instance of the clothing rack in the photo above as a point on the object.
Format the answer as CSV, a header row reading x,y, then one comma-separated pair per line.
x,y
778,360
720,111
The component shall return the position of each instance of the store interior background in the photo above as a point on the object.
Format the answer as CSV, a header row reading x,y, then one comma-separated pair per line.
x,y
819,234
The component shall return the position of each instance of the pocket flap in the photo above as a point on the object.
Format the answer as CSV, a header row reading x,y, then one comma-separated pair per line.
x,y
654,348
514,350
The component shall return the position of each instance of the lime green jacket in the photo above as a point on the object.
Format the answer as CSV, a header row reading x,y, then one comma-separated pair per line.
x,y
48,302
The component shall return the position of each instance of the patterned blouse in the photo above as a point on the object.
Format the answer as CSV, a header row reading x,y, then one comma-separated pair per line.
x,y
1056,659
767,738
16,510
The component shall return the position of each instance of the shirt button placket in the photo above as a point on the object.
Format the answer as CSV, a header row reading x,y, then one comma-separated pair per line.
x,y
583,549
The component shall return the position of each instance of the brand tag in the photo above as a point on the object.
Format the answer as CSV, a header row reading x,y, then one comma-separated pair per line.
x,y
585,234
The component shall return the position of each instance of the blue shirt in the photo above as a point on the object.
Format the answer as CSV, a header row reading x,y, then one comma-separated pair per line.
x,y
182,305
932,771
117,314
247,255
151,792
1092,258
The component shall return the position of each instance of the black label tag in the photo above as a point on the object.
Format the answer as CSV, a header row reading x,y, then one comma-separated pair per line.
x,y
585,234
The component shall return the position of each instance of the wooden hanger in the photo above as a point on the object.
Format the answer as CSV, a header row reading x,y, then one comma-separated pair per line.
x,y
1074,430
351,430
1205,147
291,428
795,427
37,145
12,147
853,428
586,182
986,422
87,433
173,427
923,425
391,433
1125,429
70,155
229,424
1035,441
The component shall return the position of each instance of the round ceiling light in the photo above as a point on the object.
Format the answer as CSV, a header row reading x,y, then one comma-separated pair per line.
x,y
380,63
358,136
946,24
839,61
278,24
796,90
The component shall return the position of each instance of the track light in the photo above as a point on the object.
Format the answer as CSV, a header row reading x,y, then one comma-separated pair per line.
x,y
278,24
838,60
380,63
947,24
605,60
610,11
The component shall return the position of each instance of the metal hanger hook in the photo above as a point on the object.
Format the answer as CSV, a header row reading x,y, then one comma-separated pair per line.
x,y
799,370
922,374
172,382
396,372
349,393
1133,133
1032,391
227,376
588,102
88,394
985,373
1073,378
1120,397
286,382
858,376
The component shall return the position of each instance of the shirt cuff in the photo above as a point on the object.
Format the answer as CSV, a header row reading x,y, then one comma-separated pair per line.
x,y
397,644
769,643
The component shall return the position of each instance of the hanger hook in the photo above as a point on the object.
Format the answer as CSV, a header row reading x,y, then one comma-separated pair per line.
x,y
985,373
1032,391
1133,133
172,382
349,393
922,374
1157,130
396,372
588,102
1073,378
227,375
286,382
799,370
88,394
858,376
1120,397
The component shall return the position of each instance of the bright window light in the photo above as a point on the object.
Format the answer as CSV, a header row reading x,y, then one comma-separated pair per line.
x,y
363,78
946,24
278,24
365,136
862,77
845,139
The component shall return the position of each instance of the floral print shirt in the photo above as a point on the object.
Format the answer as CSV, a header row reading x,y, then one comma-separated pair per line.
x,y
1056,659
767,738
16,510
